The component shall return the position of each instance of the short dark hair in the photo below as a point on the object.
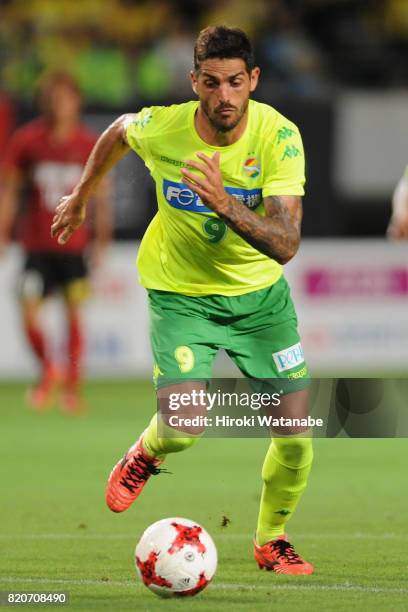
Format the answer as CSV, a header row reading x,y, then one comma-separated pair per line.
x,y
223,42
52,79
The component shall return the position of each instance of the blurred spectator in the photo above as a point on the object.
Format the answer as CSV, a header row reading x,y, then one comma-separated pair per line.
x,y
244,14
396,26
292,59
44,161
124,49
165,70
351,33
396,19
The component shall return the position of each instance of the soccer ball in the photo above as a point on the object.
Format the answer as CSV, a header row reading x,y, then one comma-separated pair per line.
x,y
176,557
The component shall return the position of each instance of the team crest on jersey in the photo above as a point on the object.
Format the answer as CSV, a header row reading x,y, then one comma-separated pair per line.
x,y
252,167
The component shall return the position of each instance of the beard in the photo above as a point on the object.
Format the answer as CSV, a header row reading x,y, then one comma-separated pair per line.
x,y
226,124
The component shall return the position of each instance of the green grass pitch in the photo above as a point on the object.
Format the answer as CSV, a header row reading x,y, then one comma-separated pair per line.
x,y
57,535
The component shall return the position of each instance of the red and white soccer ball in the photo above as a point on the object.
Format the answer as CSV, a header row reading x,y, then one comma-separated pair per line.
x,y
176,557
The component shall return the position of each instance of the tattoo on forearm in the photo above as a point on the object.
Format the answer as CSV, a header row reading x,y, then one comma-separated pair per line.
x,y
277,234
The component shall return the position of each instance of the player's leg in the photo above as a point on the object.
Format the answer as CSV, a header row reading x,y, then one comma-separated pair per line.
x,y
34,287
172,428
72,279
161,437
270,350
184,344
72,400
286,468
285,473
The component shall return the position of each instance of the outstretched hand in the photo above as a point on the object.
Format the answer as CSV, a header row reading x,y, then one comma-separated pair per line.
x,y
69,216
210,187
398,227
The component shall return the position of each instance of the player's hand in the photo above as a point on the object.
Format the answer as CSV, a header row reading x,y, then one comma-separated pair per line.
x,y
209,187
398,228
69,215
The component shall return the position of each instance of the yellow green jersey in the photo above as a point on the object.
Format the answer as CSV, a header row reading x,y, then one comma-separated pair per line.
x,y
187,248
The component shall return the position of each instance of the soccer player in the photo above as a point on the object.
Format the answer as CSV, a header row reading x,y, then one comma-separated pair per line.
x,y
44,161
398,226
7,118
229,176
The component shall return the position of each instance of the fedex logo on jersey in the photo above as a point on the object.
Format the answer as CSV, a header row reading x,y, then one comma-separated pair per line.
x,y
289,358
181,197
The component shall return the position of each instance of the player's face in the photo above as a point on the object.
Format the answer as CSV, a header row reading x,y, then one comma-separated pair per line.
x,y
223,87
61,103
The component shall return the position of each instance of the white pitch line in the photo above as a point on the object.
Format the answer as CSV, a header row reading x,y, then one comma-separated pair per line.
x,y
214,586
219,536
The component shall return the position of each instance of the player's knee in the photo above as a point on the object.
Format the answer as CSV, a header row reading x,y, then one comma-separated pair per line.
x,y
293,452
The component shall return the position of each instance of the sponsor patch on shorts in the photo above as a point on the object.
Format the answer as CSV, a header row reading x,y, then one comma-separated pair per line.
x,y
299,374
289,358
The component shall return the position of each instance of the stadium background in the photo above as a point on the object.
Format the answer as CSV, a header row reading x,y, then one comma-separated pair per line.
x,y
337,68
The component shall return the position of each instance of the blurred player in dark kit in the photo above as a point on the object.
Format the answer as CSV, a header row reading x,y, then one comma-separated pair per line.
x,y
44,160
6,122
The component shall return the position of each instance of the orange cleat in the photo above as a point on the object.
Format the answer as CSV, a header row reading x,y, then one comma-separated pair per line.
x,y
129,476
72,403
42,396
280,557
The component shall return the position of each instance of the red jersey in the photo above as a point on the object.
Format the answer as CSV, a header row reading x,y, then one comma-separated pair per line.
x,y
50,170
6,123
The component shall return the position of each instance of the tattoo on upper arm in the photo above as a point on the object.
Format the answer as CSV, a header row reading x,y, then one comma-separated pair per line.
x,y
286,208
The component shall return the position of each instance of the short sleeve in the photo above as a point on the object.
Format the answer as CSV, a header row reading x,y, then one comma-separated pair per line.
x,y
138,131
285,167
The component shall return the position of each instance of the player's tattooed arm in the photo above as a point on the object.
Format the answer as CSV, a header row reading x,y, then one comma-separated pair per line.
x,y
277,234
110,147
